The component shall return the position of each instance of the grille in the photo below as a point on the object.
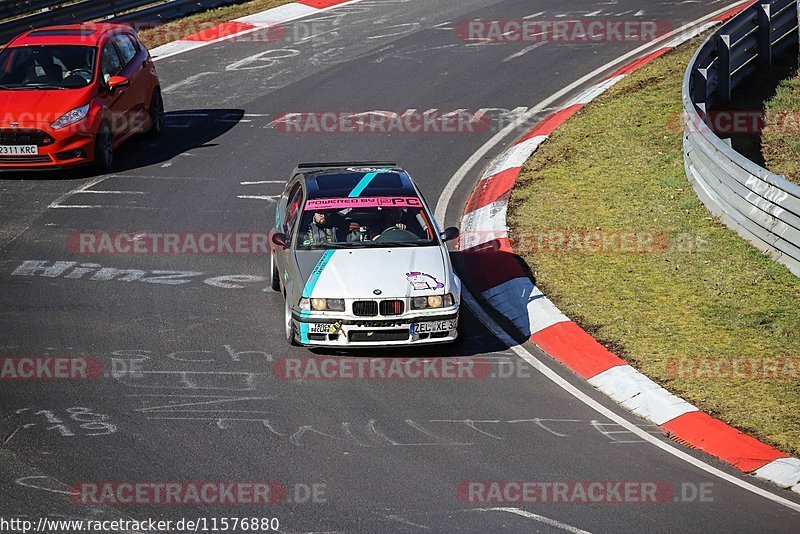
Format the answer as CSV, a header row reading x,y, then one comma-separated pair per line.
x,y
365,308
392,307
378,335
25,137
24,159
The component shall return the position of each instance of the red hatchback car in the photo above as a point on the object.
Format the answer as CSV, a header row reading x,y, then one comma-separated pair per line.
x,y
70,94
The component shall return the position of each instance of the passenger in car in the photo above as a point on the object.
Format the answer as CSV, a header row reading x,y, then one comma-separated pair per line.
x,y
326,227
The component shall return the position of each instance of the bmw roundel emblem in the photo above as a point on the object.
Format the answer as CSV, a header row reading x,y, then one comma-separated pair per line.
x,y
377,292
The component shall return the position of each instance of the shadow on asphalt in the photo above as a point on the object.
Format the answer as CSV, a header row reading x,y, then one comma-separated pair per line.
x,y
487,266
184,130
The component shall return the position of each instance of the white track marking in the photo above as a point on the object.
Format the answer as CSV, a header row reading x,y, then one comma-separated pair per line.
x,y
300,15
534,517
458,177
87,192
91,183
101,207
263,182
188,81
523,51
23,481
268,198
534,15
526,355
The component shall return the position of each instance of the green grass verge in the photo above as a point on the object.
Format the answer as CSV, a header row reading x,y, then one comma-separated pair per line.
x,y
617,166
198,22
781,137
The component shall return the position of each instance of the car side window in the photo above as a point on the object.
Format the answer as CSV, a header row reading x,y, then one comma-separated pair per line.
x,y
126,48
293,206
110,63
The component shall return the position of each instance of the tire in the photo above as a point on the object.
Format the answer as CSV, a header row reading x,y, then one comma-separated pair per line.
x,y
276,277
290,332
459,341
104,149
156,114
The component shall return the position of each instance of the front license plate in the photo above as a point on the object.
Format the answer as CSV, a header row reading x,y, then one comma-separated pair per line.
x,y
19,150
434,327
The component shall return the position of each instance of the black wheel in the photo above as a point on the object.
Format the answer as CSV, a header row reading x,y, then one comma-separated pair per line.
x,y
460,331
156,114
276,277
104,148
290,331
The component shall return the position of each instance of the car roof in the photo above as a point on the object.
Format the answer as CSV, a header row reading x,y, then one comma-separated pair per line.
x,y
341,182
86,34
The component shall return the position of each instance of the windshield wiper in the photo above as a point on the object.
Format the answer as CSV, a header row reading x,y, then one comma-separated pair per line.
x,y
329,245
46,87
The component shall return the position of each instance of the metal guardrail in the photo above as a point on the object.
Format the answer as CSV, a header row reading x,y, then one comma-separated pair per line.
x,y
761,206
9,8
30,15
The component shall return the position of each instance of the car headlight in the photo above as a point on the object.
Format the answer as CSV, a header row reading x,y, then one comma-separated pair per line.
x,y
71,117
322,304
434,301
419,303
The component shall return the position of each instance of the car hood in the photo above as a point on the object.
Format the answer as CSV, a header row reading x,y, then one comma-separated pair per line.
x,y
33,106
395,272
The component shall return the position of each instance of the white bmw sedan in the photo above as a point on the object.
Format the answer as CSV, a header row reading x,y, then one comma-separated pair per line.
x,y
360,260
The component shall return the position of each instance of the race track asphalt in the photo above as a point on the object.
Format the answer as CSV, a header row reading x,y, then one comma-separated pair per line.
x,y
203,402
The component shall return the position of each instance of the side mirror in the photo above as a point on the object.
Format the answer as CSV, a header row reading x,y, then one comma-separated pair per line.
x,y
117,81
450,233
279,239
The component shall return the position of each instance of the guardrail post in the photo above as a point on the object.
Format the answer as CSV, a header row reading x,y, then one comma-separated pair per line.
x,y
700,87
798,28
765,35
725,86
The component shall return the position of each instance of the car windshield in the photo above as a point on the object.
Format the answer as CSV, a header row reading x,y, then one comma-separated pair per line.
x,y
365,222
46,67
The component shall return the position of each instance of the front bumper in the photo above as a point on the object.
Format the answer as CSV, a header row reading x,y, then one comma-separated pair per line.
x,y
70,147
356,332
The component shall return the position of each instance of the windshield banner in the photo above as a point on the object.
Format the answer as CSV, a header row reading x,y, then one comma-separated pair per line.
x,y
316,204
